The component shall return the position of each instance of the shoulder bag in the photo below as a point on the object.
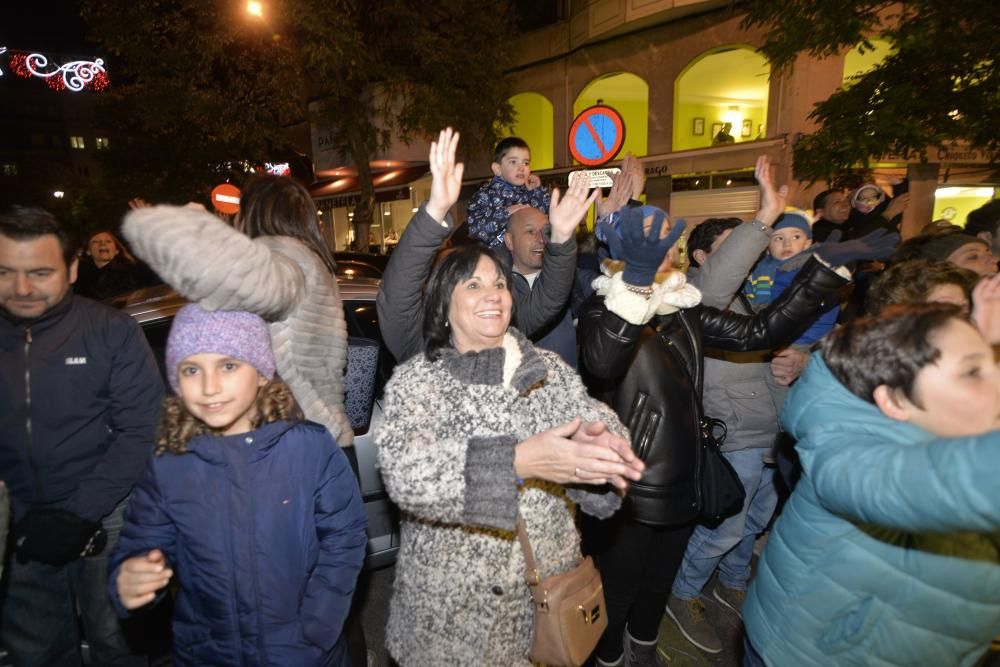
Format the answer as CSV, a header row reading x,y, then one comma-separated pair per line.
x,y
570,615
720,491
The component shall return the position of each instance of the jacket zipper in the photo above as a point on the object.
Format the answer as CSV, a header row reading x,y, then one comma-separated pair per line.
x,y
696,404
253,556
35,478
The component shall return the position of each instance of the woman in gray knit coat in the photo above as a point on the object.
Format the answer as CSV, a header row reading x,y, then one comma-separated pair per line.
x,y
480,428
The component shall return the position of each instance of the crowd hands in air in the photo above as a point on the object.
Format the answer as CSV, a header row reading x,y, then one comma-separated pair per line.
x,y
541,367
637,287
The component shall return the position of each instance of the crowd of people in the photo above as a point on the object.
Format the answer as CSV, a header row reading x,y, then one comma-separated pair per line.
x,y
563,389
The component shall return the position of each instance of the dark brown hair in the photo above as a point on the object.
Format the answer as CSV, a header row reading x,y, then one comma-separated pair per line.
x,y
279,206
703,236
25,223
913,280
888,349
455,266
504,146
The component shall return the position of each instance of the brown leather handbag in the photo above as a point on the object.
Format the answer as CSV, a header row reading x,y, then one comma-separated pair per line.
x,y
570,615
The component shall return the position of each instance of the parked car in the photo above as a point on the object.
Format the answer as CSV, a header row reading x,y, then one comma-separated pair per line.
x,y
154,309
360,265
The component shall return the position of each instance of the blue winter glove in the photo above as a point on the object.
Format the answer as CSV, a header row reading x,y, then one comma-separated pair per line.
x,y
642,252
876,245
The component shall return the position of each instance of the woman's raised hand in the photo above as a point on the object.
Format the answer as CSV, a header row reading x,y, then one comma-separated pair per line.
x,y
566,212
578,452
772,202
632,165
446,174
140,577
621,191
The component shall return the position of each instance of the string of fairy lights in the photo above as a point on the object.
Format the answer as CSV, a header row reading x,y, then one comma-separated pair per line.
x,y
74,76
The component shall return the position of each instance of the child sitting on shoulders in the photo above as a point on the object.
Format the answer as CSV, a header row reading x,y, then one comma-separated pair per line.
x,y
257,512
512,183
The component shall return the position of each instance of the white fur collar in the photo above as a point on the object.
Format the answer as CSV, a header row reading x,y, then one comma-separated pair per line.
x,y
671,292
512,358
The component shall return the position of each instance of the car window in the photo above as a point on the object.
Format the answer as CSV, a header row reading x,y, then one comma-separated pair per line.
x,y
156,335
362,321
357,270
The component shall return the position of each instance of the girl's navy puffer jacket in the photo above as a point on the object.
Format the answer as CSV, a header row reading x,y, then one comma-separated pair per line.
x,y
266,534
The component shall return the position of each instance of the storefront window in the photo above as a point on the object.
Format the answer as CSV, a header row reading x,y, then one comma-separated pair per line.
x,y
723,86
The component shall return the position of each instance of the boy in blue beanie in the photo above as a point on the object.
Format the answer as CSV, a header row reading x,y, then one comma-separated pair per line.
x,y
768,279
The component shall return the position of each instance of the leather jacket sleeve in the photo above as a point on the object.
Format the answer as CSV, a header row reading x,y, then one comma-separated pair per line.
x,y
607,341
814,291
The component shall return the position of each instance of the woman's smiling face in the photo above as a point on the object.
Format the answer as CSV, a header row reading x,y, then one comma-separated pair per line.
x,y
480,309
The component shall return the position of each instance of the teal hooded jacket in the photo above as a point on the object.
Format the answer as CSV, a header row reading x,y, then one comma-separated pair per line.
x,y
827,592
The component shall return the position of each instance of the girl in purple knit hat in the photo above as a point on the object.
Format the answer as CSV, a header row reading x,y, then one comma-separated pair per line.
x,y
254,511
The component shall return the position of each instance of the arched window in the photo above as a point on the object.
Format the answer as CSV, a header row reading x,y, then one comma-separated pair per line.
x,y
857,63
725,85
629,96
533,123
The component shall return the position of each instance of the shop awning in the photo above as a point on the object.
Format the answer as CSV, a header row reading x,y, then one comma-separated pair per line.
x,y
389,186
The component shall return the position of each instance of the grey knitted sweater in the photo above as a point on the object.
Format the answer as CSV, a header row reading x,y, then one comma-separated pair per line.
x,y
276,277
446,449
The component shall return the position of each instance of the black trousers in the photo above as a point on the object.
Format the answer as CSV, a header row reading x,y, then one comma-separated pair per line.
x,y
638,564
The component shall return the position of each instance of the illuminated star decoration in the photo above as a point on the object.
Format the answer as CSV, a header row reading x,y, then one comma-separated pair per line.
x,y
76,76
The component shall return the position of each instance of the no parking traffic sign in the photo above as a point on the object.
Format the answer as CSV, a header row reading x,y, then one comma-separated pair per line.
x,y
596,135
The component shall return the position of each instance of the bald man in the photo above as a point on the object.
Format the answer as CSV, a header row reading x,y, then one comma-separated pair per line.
x,y
525,239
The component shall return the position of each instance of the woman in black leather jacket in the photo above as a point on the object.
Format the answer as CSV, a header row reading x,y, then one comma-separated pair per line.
x,y
642,353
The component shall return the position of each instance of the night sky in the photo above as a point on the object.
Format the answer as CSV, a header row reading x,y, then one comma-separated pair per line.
x,y
52,26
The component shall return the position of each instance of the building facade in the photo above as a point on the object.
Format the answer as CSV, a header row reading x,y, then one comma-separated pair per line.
x,y
679,71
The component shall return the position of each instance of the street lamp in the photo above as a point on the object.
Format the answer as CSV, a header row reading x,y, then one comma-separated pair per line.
x,y
58,194
255,8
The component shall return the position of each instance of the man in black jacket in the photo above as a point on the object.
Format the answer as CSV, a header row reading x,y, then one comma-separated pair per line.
x,y
79,402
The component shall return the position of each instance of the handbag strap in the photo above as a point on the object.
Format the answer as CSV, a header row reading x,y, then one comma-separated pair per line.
x,y
531,573
704,421
695,378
